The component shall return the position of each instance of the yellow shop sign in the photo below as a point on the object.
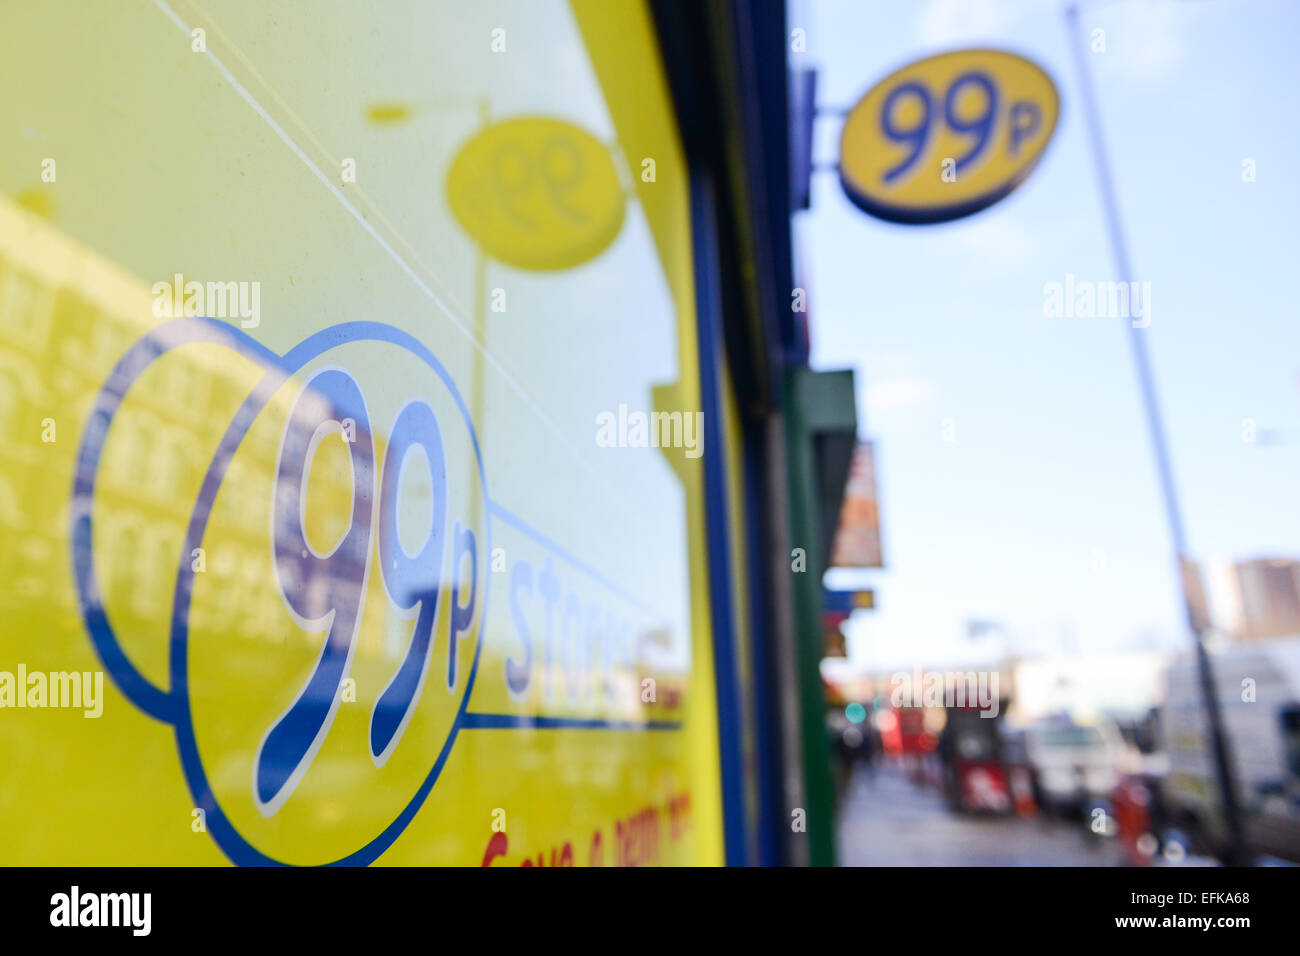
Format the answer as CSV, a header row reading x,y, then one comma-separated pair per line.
x,y
947,136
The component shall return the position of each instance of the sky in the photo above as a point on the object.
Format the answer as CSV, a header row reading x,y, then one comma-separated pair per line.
x,y
1043,514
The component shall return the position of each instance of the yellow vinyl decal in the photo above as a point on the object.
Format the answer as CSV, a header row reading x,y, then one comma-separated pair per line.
x,y
537,193
311,551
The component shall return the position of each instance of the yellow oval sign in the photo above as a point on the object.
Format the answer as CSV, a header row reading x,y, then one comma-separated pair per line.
x,y
947,136
537,193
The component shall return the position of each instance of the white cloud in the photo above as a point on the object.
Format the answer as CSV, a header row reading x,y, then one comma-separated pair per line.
x,y
998,241
897,394
1149,44
948,22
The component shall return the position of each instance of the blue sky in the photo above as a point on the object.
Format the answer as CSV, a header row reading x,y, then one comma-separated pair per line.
x,y
1044,512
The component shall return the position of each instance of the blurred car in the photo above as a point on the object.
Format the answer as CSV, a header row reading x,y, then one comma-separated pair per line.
x,y
1074,763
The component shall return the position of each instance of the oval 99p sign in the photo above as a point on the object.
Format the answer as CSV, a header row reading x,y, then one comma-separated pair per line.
x,y
947,136
537,193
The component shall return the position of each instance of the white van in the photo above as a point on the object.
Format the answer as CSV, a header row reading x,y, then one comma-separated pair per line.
x,y
1258,687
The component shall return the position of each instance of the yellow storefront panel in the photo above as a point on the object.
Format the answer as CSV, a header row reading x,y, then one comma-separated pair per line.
x,y
325,340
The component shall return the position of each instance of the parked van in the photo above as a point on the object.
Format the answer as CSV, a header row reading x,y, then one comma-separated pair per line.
x,y
1258,688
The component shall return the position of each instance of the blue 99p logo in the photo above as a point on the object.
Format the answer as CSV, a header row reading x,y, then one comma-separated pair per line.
x,y
321,657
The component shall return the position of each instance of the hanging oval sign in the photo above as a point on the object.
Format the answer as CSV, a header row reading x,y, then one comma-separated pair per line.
x,y
947,136
537,193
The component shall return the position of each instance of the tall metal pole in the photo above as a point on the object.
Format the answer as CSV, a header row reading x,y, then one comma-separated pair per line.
x,y
1235,851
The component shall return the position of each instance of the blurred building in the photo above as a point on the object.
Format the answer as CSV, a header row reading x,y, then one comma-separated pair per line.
x,y
1256,599
857,537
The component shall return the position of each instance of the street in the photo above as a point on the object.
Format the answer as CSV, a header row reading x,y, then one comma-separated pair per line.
x,y
891,822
